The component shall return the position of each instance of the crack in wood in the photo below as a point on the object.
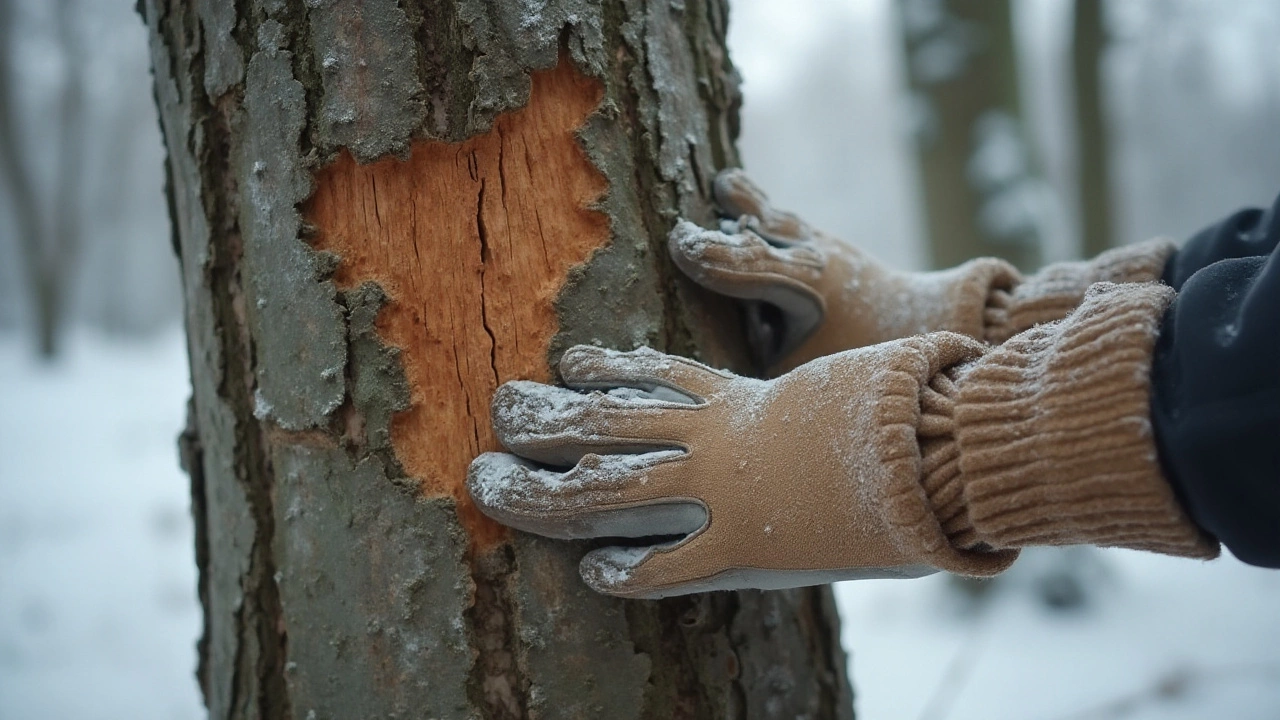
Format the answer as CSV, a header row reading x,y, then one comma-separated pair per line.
x,y
467,268
470,275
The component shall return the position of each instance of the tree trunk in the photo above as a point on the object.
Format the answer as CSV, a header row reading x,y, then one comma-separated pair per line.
x,y
1093,186
384,209
977,174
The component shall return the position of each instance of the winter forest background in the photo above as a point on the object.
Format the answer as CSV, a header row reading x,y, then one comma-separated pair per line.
x,y
98,614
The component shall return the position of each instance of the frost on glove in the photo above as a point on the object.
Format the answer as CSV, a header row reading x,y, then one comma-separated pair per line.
x,y
896,460
722,482
808,294
827,296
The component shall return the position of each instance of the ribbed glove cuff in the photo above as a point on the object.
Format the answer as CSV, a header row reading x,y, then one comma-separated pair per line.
x,y
1052,441
1055,291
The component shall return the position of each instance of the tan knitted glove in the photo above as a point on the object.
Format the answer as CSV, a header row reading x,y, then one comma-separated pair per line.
x,y
809,478
829,296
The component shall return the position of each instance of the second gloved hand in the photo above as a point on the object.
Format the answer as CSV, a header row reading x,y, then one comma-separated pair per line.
x,y
808,294
714,481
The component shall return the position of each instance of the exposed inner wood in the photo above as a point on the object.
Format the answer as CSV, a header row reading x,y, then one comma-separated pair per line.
x,y
473,242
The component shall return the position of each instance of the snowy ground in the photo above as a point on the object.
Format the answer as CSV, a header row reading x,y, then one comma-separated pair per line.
x,y
98,612
98,616
1157,638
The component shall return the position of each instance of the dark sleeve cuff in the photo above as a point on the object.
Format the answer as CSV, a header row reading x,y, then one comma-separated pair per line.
x,y
1216,388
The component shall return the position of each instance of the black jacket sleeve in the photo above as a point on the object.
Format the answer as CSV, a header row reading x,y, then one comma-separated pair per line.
x,y
1216,383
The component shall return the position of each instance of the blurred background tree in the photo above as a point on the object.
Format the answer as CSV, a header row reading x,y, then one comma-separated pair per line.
x,y
978,178
1093,174
48,241
83,233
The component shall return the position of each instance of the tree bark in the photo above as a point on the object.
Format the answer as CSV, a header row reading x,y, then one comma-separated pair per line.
x,y
1093,146
977,170
384,209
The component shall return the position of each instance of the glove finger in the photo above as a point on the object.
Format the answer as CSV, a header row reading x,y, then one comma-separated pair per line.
x,y
742,264
611,570
602,496
745,267
650,572
664,377
736,195
557,426
656,571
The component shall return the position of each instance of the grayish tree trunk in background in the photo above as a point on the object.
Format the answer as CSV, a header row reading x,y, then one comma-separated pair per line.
x,y
977,173
335,583
1093,145
48,249
13,172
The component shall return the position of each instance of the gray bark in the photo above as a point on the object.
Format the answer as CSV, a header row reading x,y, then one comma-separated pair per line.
x,y
977,170
330,590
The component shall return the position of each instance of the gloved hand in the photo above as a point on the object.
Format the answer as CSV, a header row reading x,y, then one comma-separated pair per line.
x,y
723,482
808,294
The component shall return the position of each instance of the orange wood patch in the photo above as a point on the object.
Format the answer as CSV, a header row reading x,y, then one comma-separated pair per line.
x,y
472,241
